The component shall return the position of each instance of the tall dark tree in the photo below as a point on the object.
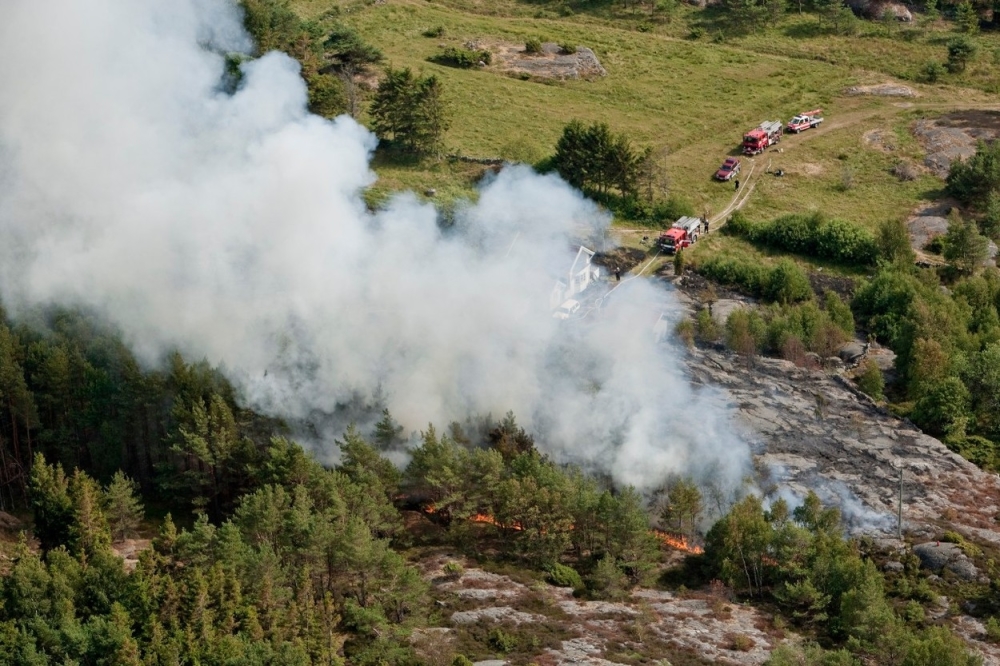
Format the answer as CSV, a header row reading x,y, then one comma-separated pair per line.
x,y
595,158
410,111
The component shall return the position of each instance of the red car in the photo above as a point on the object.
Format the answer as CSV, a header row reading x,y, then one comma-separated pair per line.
x,y
729,168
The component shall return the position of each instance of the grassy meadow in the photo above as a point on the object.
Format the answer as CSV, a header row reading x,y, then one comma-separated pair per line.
x,y
693,97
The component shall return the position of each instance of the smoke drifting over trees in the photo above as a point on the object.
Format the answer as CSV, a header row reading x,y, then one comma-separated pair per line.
x,y
231,227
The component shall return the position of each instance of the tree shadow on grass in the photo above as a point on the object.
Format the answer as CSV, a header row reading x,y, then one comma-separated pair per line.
x,y
391,154
805,30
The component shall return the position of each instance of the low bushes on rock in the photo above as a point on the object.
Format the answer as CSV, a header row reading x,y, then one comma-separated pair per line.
x,y
464,58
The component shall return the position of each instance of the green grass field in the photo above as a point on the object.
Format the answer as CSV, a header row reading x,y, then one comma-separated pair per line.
x,y
693,97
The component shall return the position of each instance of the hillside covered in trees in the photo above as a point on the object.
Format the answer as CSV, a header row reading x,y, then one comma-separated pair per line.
x,y
262,555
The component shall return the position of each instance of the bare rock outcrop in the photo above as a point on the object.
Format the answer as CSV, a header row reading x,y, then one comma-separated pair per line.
x,y
954,136
552,63
818,432
884,89
939,556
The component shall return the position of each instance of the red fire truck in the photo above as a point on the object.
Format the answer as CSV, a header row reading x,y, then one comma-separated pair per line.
x,y
766,134
683,233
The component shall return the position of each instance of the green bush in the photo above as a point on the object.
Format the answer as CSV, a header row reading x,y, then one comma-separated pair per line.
x,y
461,660
932,71
944,409
437,31
978,450
706,329
748,276
746,331
697,32
501,641
790,327
787,283
607,580
464,58
870,380
811,235
561,575
567,48
453,570
533,46
993,630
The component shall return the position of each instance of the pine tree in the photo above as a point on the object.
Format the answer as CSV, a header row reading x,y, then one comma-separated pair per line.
x,y
123,507
966,18
89,531
51,504
683,507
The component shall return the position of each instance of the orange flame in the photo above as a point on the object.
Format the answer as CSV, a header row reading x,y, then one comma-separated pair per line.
x,y
674,541
490,520
677,542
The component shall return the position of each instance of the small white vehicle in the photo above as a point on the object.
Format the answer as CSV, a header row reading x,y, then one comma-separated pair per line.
x,y
567,309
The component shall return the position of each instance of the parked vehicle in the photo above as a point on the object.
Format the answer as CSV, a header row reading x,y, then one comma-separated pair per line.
x,y
804,121
567,309
729,168
683,233
764,135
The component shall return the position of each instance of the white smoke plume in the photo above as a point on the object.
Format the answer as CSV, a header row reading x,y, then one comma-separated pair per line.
x,y
231,227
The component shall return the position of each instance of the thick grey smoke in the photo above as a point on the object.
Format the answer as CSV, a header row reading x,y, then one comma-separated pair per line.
x,y
231,227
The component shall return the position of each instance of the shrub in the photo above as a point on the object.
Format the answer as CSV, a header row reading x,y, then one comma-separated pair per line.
x,y
812,235
568,49
747,276
533,46
437,31
464,58
501,641
453,570
697,32
787,283
644,27
739,642
461,660
935,245
675,207
561,575
932,71
839,312
913,612
870,380
944,409
679,262
608,581
745,332
685,331
706,329
967,547
993,630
